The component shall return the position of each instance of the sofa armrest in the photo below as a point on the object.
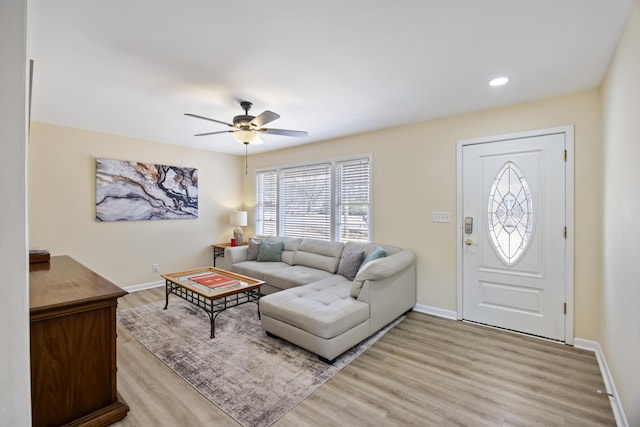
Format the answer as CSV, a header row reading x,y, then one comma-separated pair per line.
x,y
235,254
388,295
382,268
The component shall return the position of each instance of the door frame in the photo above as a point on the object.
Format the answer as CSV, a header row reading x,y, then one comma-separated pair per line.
x,y
568,132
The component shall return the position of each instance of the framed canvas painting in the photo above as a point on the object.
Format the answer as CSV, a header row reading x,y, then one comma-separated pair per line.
x,y
133,191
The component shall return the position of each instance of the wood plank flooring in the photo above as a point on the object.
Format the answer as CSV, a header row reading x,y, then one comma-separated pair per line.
x,y
427,371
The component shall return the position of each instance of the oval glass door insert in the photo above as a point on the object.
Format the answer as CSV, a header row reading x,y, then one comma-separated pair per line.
x,y
510,214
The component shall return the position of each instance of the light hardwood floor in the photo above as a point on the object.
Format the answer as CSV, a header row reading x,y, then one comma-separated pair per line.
x,y
426,371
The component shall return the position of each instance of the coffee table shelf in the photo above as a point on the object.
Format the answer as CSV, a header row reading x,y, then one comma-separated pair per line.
x,y
212,300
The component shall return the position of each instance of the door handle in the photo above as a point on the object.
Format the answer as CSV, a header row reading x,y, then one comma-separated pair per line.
x,y
468,242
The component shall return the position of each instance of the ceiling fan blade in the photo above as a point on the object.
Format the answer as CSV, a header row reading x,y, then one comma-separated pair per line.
x,y
285,132
264,118
213,133
207,118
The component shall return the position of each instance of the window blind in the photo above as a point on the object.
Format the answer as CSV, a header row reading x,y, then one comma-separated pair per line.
x,y
267,203
352,200
305,204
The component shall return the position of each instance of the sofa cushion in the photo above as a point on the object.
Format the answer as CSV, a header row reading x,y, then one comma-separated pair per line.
x,y
320,254
368,247
294,276
359,246
258,270
270,252
323,308
350,263
290,246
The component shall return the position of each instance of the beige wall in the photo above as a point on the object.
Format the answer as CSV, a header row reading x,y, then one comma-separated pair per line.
x,y
414,173
62,205
620,295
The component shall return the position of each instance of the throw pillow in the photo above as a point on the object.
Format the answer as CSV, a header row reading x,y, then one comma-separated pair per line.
x,y
374,253
350,263
270,252
253,250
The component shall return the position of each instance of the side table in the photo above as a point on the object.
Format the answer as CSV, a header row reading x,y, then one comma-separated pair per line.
x,y
218,250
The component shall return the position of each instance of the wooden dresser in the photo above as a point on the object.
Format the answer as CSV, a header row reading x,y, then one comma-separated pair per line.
x,y
73,345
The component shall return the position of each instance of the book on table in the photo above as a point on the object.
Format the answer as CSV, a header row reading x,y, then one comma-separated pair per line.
x,y
214,281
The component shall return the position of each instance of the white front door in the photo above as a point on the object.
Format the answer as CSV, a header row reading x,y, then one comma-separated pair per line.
x,y
513,242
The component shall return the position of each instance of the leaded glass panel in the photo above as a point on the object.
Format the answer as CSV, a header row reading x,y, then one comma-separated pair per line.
x,y
510,214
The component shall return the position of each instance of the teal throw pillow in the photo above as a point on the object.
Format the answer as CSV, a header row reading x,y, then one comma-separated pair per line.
x,y
374,253
270,252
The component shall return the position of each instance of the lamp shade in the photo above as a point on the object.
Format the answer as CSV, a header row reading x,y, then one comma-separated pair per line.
x,y
238,219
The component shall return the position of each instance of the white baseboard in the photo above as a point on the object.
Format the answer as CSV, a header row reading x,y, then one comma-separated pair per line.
x,y
143,286
616,405
435,311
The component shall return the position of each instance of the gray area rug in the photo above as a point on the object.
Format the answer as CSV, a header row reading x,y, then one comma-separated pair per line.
x,y
255,379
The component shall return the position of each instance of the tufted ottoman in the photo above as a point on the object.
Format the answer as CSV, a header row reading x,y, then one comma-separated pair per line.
x,y
321,317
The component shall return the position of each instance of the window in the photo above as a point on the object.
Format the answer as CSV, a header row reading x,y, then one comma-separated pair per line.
x,y
352,200
327,200
306,201
267,203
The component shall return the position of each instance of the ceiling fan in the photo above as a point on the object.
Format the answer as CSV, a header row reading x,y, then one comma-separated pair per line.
x,y
246,129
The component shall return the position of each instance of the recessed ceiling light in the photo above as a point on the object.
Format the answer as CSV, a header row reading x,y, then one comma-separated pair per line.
x,y
499,81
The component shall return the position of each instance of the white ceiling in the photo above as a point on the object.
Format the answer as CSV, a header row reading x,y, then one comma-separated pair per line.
x,y
332,67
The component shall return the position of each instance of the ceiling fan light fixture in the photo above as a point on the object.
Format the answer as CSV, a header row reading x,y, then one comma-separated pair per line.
x,y
246,136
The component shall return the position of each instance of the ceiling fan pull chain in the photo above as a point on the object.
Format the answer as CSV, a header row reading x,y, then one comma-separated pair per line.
x,y
246,162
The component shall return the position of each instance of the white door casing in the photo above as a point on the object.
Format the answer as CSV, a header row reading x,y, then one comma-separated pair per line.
x,y
518,287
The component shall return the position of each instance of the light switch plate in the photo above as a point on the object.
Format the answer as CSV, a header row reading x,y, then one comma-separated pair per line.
x,y
441,216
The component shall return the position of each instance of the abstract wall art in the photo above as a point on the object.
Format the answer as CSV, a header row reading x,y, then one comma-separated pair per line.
x,y
130,191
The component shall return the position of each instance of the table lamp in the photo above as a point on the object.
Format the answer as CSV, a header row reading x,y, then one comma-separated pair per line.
x,y
238,219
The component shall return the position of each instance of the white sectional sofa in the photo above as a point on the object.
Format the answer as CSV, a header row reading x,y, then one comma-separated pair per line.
x,y
327,296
